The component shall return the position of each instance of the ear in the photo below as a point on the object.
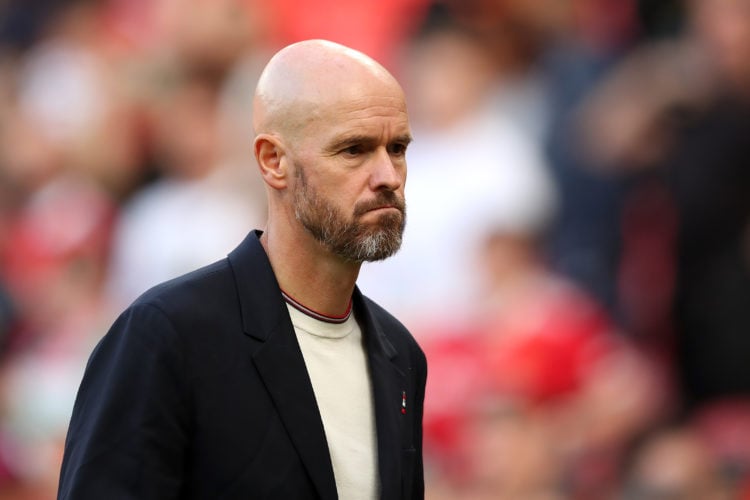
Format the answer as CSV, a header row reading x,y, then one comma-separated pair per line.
x,y
269,153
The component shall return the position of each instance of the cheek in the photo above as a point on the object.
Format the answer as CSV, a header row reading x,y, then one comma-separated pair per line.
x,y
331,191
350,187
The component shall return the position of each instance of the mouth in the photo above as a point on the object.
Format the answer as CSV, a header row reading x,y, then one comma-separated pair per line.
x,y
382,205
384,211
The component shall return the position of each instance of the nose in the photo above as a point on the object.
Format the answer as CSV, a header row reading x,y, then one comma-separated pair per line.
x,y
388,173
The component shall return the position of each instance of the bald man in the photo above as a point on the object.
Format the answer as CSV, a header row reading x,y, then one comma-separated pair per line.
x,y
268,375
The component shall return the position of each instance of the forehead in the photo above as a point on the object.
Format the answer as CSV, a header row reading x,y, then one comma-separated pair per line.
x,y
373,115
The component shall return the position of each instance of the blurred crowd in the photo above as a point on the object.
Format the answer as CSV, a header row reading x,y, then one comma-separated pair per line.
x,y
576,262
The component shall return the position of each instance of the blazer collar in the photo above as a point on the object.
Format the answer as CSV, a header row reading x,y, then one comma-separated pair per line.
x,y
262,306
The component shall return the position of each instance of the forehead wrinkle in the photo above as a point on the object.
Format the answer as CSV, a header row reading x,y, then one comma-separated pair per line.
x,y
370,108
346,139
363,130
362,113
344,116
380,105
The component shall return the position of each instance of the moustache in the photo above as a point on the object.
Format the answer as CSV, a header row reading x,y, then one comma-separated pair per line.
x,y
384,199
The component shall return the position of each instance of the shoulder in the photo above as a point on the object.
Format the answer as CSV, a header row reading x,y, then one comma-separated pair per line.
x,y
205,288
184,323
181,311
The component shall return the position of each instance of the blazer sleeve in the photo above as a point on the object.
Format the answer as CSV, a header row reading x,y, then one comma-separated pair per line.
x,y
128,434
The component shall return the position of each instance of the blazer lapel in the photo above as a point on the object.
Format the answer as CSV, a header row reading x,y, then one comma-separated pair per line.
x,y
282,368
388,382
279,361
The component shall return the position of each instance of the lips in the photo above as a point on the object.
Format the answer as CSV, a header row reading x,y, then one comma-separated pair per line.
x,y
392,201
386,207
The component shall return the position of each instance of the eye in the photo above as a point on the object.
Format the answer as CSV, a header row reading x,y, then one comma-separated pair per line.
x,y
354,150
398,149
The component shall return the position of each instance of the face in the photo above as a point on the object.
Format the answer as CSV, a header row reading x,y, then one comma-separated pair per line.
x,y
725,27
350,170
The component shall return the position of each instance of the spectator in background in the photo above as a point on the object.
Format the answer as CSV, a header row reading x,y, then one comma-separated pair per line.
x,y
194,124
169,227
724,428
709,170
547,56
55,233
78,99
541,349
581,45
511,455
675,463
54,268
470,162
684,144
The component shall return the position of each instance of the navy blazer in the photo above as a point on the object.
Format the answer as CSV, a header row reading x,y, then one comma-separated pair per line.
x,y
199,390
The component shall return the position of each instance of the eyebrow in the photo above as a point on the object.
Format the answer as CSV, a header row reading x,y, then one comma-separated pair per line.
x,y
352,140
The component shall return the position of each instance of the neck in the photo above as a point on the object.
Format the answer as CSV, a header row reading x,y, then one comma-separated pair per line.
x,y
310,273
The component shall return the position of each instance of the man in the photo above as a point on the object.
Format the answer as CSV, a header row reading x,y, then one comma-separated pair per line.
x,y
268,375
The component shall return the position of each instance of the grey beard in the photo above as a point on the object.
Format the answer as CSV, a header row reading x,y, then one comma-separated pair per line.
x,y
352,241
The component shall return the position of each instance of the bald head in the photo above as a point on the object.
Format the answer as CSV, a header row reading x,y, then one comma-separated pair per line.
x,y
303,79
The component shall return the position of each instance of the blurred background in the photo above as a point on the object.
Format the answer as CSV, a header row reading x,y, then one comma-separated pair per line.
x,y
576,262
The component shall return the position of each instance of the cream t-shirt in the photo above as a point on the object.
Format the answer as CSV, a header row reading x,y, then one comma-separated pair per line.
x,y
337,364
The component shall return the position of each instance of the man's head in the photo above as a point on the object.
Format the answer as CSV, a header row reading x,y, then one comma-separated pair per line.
x,y
331,136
